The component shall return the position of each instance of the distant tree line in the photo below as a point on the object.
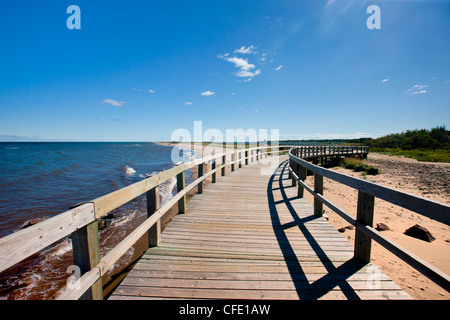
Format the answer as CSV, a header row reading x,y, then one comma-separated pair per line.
x,y
436,138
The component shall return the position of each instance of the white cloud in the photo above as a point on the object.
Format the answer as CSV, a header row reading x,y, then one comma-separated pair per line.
x,y
114,102
244,67
418,89
241,63
151,91
384,80
247,74
244,50
221,56
279,67
208,93
188,103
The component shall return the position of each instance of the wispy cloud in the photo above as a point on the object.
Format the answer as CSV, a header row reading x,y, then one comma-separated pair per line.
x,y
120,120
207,93
221,56
247,74
418,89
244,67
384,80
114,102
151,91
279,67
188,103
241,63
244,50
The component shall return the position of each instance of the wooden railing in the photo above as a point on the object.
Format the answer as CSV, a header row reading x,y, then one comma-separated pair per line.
x,y
309,152
81,222
367,192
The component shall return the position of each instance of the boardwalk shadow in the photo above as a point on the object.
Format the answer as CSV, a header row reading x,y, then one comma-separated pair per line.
x,y
335,276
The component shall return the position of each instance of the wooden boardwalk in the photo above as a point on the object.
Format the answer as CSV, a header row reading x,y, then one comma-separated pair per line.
x,y
249,236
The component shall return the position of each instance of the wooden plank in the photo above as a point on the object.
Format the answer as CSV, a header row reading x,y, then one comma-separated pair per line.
x,y
256,294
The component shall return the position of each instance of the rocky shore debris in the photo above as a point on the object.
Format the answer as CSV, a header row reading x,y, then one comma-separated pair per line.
x,y
345,228
419,232
382,227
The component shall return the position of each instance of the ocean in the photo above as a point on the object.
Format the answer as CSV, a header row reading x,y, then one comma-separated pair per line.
x,y
41,179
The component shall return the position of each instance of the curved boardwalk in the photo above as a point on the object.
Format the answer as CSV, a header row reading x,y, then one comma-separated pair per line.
x,y
248,236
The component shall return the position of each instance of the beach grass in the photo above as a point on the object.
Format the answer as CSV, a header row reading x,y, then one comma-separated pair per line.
x,y
437,155
359,165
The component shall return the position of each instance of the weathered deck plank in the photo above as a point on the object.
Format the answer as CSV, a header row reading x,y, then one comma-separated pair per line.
x,y
248,236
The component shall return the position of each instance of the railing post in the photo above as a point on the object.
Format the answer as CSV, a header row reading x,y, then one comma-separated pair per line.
x,y
181,184
86,255
233,157
293,166
302,176
224,160
200,174
246,157
318,188
153,204
213,167
364,215
240,159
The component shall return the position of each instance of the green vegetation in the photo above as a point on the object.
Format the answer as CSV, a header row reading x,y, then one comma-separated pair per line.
x,y
421,155
359,166
423,144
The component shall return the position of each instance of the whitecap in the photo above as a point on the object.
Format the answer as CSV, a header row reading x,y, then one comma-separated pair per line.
x,y
129,171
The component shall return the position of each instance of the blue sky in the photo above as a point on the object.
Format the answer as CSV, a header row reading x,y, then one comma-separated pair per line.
x,y
138,70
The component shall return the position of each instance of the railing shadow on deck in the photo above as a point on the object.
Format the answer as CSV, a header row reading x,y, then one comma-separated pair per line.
x,y
336,276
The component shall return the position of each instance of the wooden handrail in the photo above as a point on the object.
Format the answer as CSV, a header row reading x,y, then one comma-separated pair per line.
x,y
363,223
24,243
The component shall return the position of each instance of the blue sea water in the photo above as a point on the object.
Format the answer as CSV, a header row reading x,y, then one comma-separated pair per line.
x,y
42,179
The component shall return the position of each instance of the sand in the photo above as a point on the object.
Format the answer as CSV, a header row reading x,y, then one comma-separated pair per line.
x,y
426,179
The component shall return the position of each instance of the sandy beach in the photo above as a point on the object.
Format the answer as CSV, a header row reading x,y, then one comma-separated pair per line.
x,y
425,179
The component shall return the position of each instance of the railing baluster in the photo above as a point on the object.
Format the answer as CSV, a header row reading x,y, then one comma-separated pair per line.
x,y
181,184
200,174
86,255
233,157
364,215
153,204
318,188
224,161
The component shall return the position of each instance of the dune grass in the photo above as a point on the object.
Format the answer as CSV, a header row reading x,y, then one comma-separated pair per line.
x,y
359,165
